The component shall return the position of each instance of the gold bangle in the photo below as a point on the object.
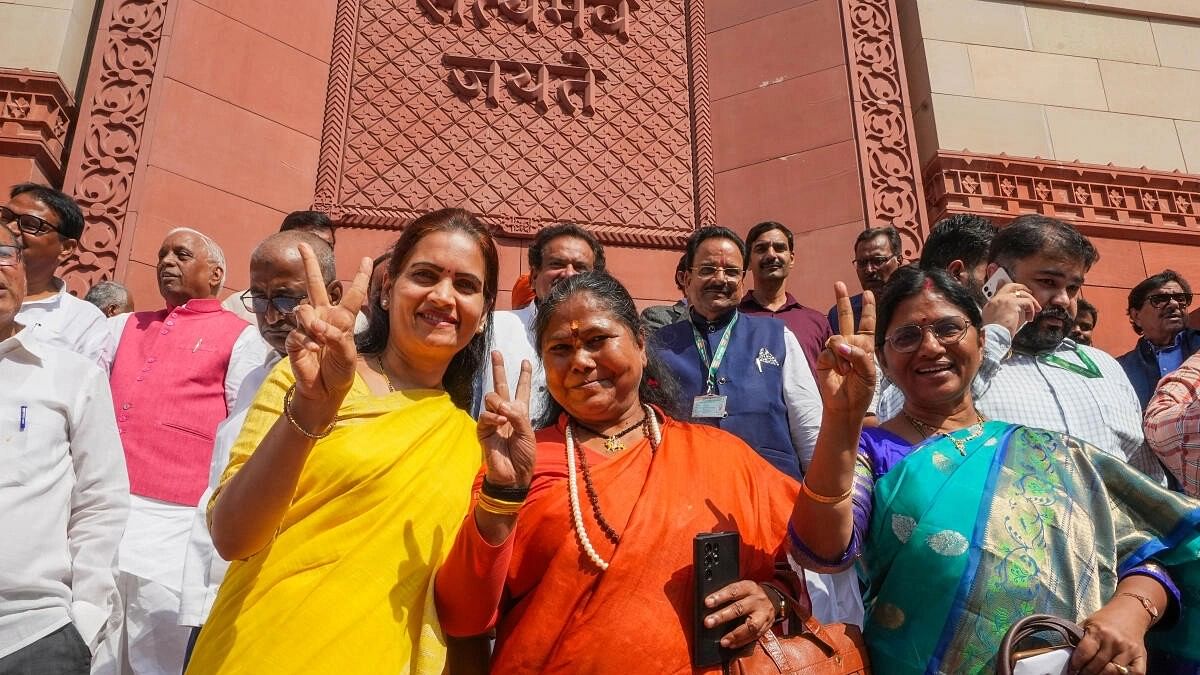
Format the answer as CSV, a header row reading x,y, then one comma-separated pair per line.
x,y
498,507
822,499
1147,605
287,412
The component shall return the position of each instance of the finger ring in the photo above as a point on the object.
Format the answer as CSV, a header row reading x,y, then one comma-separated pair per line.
x,y
737,607
1123,670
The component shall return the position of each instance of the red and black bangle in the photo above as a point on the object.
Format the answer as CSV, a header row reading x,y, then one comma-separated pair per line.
x,y
507,494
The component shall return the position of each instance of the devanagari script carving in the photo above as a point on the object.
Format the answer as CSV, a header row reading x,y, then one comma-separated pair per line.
x,y
612,17
536,83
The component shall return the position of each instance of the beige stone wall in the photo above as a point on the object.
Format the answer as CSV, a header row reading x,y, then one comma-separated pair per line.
x,y
46,35
1098,81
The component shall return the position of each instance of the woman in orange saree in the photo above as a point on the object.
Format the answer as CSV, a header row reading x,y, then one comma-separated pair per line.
x,y
590,571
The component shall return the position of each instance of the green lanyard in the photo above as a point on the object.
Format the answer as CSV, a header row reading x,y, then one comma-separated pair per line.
x,y
718,355
1088,369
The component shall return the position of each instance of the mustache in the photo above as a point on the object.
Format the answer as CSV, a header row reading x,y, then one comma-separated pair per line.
x,y
1054,313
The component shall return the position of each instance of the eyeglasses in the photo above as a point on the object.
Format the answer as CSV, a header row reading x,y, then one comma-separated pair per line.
x,y
877,261
29,223
947,331
284,304
1160,300
708,272
9,256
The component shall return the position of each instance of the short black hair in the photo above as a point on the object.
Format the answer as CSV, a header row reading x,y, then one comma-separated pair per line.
x,y
1139,293
306,220
1085,307
1033,234
711,232
963,236
70,218
548,234
909,281
765,227
893,237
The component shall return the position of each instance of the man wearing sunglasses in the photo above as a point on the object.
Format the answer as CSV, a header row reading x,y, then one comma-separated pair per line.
x,y
50,224
176,375
1158,313
64,495
277,288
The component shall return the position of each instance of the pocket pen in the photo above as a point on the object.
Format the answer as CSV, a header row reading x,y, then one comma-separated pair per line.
x,y
24,410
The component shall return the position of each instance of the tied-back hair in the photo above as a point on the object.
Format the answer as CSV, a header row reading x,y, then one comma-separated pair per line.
x,y
658,386
459,380
910,281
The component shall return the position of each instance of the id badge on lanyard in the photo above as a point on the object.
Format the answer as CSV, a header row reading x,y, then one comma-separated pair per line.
x,y
711,405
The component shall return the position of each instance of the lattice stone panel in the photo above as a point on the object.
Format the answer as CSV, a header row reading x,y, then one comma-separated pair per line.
x,y
401,138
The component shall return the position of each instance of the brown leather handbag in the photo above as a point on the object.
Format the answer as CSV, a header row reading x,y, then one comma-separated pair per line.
x,y
1032,625
810,648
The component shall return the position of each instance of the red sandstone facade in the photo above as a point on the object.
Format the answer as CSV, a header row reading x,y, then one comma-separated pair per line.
x,y
640,120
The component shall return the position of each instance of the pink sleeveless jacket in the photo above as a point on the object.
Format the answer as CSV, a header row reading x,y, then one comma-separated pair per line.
x,y
168,385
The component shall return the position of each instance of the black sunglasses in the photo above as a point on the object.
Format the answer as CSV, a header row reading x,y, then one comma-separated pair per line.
x,y
27,222
284,304
1160,300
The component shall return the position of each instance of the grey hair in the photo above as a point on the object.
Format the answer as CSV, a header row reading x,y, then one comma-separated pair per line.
x,y
107,293
216,256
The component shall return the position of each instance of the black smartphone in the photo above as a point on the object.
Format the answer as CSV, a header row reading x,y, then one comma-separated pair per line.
x,y
715,563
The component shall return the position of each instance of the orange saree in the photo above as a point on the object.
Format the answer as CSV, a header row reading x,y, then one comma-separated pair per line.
x,y
557,612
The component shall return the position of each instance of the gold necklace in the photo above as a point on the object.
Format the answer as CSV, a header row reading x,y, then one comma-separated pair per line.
x,y
383,371
613,444
960,444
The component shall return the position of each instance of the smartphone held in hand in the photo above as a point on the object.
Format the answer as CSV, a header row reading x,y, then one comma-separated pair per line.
x,y
715,557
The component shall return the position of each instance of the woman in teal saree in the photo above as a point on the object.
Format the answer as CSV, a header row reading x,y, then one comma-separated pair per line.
x,y
966,525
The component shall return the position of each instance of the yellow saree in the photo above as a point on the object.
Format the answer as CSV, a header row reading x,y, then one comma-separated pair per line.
x,y
346,586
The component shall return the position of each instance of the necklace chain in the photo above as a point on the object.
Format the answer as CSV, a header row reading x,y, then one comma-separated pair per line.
x,y
585,542
960,444
383,371
613,444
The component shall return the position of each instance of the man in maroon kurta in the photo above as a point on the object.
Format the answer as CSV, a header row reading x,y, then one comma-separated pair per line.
x,y
175,375
770,261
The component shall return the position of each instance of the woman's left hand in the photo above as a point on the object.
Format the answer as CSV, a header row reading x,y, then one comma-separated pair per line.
x,y
745,600
1113,636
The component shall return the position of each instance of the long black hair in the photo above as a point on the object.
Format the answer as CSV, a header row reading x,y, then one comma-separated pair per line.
x,y
658,385
459,379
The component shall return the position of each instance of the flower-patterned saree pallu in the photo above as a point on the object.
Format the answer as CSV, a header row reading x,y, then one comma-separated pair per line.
x,y
1023,521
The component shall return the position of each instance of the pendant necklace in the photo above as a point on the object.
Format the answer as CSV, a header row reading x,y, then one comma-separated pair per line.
x,y
585,542
960,444
613,443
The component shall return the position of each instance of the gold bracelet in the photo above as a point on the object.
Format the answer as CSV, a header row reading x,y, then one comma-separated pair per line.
x,y
287,411
822,499
498,507
1147,604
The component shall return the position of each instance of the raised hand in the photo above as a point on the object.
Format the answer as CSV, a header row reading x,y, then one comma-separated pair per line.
x,y
321,347
846,368
504,428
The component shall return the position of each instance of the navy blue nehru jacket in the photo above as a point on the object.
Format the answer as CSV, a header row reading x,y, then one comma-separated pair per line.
x,y
755,406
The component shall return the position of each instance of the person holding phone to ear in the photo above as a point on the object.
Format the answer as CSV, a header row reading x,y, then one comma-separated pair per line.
x,y
579,546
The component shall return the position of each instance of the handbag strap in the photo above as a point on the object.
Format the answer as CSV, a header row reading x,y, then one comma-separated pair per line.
x,y
798,624
1026,628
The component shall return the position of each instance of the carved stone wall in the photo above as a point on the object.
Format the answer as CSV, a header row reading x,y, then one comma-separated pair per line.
x,y
35,112
1102,200
111,132
887,146
527,112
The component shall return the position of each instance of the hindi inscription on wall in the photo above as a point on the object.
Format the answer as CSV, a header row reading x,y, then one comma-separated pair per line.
x,y
527,112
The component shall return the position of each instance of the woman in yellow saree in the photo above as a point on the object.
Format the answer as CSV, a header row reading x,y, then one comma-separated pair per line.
x,y
352,474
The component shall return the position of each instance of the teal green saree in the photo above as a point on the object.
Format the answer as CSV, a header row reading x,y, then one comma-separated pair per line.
x,y
1024,521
